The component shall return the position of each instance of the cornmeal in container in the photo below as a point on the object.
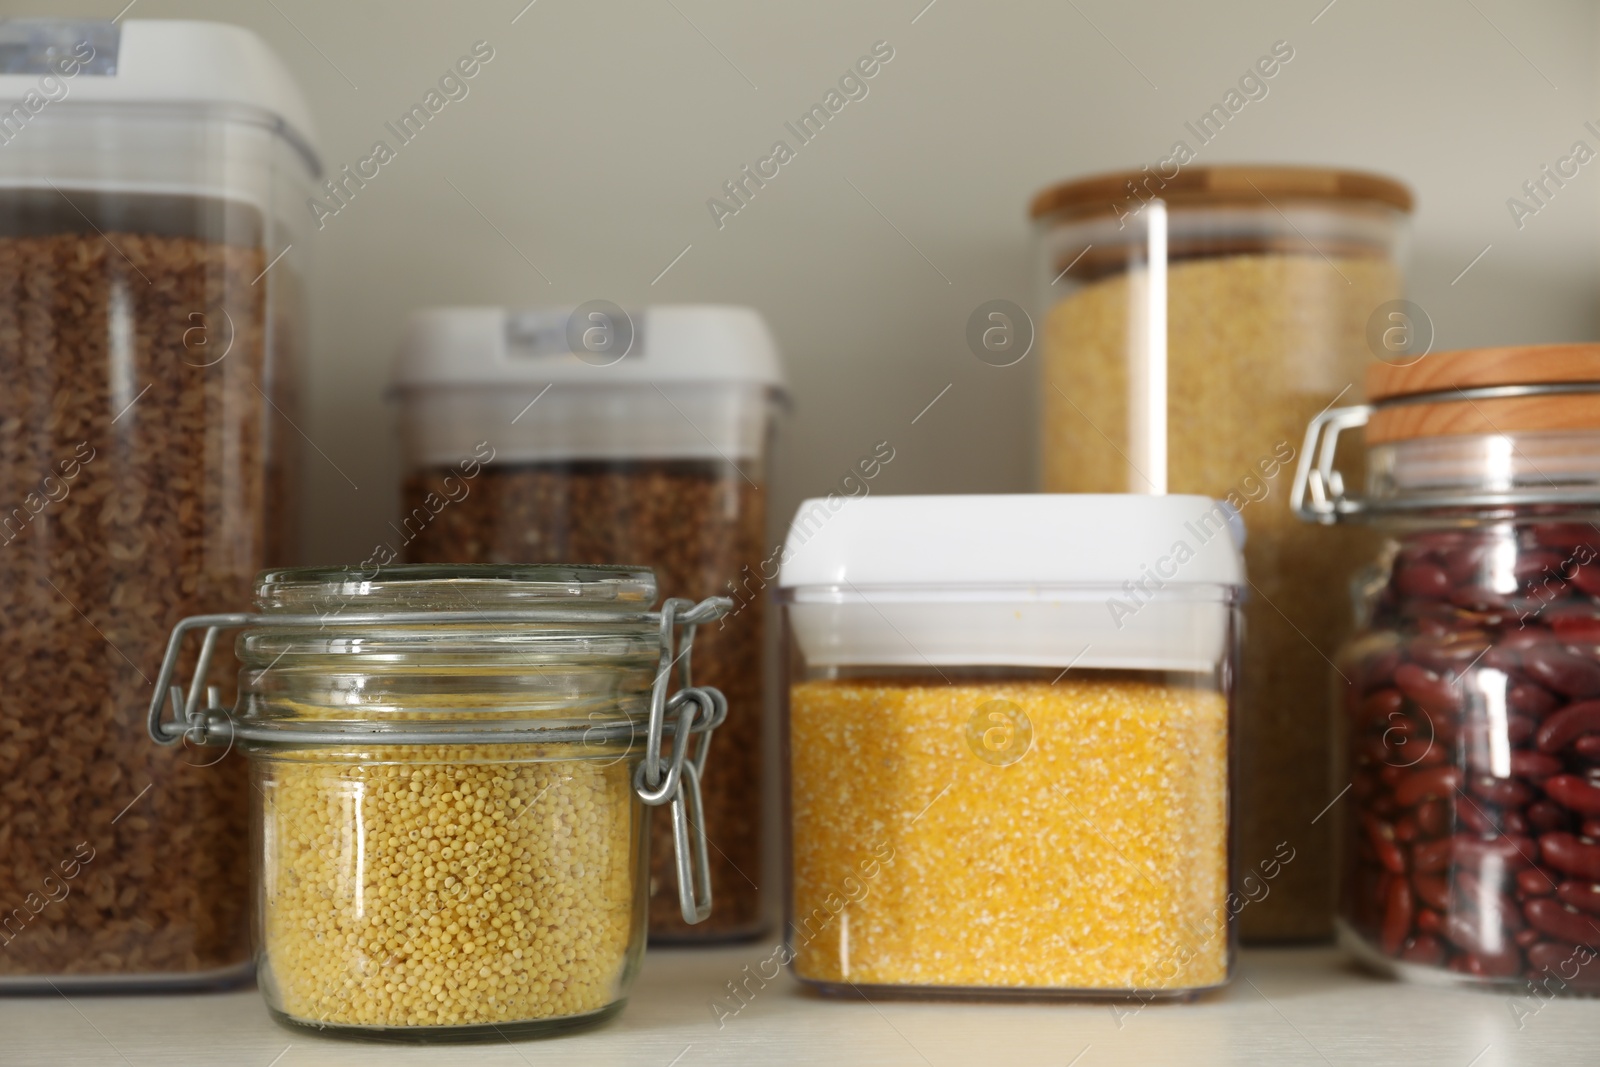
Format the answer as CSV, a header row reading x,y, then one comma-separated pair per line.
x,y
1008,736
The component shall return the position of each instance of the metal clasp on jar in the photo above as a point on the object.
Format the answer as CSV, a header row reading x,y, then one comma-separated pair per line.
x,y
1320,495
673,779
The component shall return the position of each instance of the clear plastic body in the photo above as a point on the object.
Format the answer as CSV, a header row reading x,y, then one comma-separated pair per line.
x,y
1197,374
1002,831
1470,736
148,354
595,475
444,892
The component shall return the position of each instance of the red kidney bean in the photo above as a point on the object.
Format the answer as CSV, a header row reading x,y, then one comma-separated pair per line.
x,y
1522,764
1480,899
1449,653
1566,852
1381,835
1392,774
1428,784
1587,578
1433,890
1399,908
1590,828
1506,792
1512,851
1461,565
1533,882
1525,698
1574,793
1566,536
1558,920
1424,948
1379,670
1430,921
1406,829
1431,856
1545,815
1524,938
1567,725
1476,818
1381,705
1422,579
1588,748
1515,823
1584,896
1427,689
1433,817
1555,668
1576,629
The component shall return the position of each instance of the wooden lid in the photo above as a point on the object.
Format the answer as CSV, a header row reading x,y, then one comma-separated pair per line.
x,y
1103,193
1475,368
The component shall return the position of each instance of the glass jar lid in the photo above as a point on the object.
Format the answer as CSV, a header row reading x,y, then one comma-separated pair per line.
x,y
1475,430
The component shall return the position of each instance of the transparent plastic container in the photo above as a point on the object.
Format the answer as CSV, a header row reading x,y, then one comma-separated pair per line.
x,y
615,437
1469,724
1192,322
152,180
1007,775
450,770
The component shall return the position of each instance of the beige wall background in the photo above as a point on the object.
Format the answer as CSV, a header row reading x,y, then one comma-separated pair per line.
x,y
589,145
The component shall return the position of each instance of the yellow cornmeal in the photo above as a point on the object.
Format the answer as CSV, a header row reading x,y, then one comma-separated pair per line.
x,y
1098,861
414,893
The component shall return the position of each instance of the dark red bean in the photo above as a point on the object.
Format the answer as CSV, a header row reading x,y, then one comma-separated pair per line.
x,y
1567,536
1514,822
1433,817
1556,668
1524,938
1399,907
1406,829
1525,698
1588,748
1576,628
1587,579
1533,882
1574,793
1544,816
1431,856
1482,901
1428,690
1430,783
1566,852
1567,725
1521,764
1558,920
1590,828
1452,652
1381,835
1506,792
1433,890
1539,563
1379,670
1584,896
1475,817
1461,565
1424,948
1381,705
1423,580
1430,921
1513,851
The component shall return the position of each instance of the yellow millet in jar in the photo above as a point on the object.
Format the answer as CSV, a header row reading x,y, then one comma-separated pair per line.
x,y
429,886
1096,861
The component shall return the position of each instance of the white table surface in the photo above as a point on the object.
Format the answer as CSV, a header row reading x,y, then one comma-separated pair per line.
x,y
1286,1006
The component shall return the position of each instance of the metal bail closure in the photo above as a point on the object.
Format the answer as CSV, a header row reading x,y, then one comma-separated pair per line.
x,y
674,779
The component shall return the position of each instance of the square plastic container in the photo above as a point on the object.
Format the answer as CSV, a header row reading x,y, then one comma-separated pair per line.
x,y
1008,725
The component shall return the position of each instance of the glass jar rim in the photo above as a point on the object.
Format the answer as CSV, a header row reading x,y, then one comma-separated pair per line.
x,y
415,587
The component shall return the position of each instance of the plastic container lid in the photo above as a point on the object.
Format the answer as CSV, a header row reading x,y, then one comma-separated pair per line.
x,y
669,344
157,61
1115,581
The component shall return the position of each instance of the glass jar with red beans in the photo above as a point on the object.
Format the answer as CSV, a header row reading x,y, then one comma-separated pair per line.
x,y
1470,695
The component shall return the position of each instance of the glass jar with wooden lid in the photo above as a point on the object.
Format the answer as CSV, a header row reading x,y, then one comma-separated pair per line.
x,y
1193,319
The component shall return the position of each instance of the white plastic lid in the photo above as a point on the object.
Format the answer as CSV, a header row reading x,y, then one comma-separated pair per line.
x,y
669,344
157,61
1116,581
